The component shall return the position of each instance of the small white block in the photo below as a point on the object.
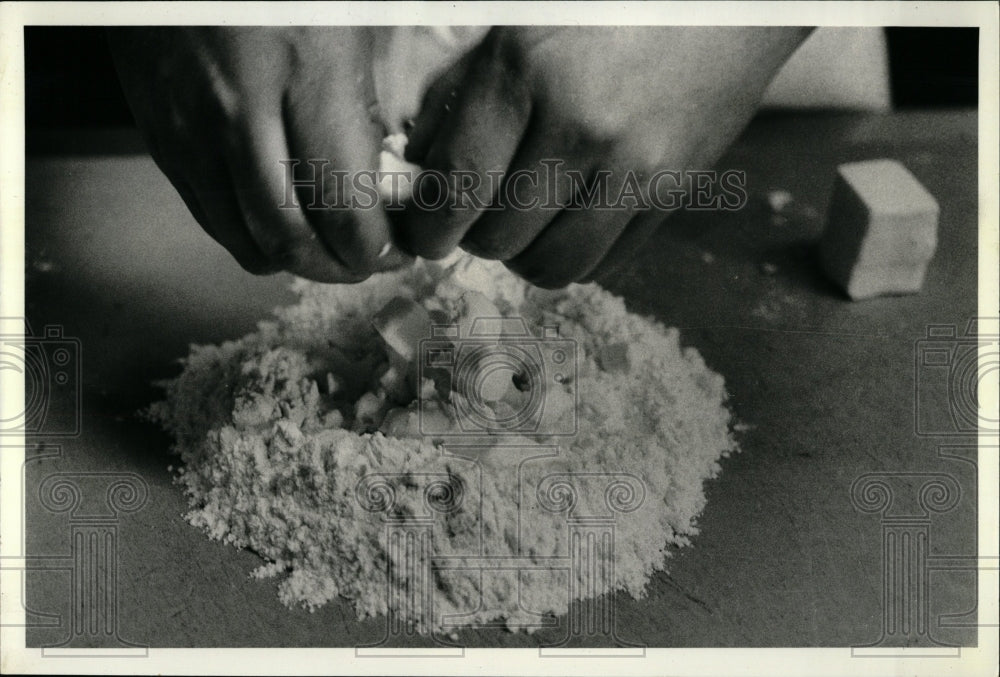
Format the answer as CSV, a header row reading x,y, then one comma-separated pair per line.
x,y
402,323
370,409
778,200
881,231
614,358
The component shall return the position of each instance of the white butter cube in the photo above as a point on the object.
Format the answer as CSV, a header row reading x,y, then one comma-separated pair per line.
x,y
402,323
881,232
474,306
369,411
613,357
401,422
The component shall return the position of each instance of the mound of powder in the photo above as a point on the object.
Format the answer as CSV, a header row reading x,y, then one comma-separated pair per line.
x,y
311,443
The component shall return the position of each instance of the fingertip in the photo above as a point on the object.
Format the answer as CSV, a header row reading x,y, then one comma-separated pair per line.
x,y
258,267
313,263
429,234
420,250
393,258
604,273
542,277
490,248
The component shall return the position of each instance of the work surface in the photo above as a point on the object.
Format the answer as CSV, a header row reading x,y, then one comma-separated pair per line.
x,y
824,387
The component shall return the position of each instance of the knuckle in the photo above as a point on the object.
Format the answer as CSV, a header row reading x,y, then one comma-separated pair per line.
x,y
451,161
506,51
601,127
643,157
584,120
232,138
508,66
225,101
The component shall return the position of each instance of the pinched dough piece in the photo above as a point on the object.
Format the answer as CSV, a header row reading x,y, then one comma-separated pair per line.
x,y
397,175
881,232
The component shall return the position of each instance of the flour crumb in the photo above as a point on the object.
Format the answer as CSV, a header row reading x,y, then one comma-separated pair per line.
x,y
779,200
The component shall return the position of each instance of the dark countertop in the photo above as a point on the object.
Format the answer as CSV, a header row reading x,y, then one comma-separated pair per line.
x,y
825,386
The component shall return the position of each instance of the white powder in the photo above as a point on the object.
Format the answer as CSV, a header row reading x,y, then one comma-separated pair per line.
x,y
276,431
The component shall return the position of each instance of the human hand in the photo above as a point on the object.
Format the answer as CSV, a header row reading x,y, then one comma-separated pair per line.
x,y
625,100
222,107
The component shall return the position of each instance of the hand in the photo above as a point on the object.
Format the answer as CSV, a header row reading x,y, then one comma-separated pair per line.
x,y
621,99
222,107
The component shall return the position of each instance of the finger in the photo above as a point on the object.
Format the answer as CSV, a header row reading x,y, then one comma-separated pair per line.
x,y
210,196
478,137
276,223
328,121
625,249
550,167
570,247
437,102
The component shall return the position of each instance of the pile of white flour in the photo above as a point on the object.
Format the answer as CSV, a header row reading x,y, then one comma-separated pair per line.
x,y
303,442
